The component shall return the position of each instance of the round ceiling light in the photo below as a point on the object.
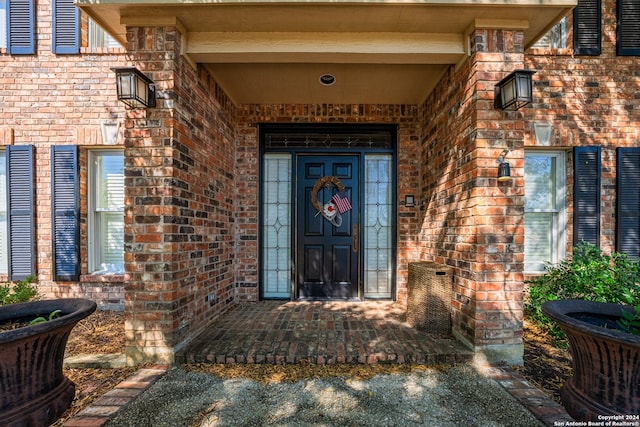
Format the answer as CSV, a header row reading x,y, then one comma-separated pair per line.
x,y
327,79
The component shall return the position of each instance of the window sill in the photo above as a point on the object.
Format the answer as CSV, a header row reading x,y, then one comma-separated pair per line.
x,y
530,275
102,50
104,278
539,51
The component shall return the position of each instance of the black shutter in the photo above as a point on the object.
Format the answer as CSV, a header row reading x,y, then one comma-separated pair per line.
x,y
66,27
587,28
628,202
65,211
586,194
628,31
20,208
21,25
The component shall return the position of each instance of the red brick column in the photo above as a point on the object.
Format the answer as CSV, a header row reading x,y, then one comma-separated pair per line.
x,y
472,222
179,205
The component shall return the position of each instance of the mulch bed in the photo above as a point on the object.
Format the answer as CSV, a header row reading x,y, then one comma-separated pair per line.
x,y
545,365
102,332
547,362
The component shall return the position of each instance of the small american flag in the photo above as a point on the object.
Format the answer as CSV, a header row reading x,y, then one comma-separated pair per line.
x,y
342,203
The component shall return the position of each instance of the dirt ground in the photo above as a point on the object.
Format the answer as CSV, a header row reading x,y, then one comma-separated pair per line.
x,y
545,366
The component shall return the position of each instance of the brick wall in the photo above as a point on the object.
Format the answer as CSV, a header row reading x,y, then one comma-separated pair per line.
x,y
588,100
46,100
191,224
180,202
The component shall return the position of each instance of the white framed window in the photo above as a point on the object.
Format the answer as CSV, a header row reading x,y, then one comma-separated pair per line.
x,y
106,207
556,38
3,24
4,244
97,37
544,211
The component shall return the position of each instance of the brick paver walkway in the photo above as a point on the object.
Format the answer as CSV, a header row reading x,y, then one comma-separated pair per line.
x,y
321,333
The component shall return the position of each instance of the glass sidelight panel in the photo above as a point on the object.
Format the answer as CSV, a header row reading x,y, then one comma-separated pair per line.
x,y
276,232
378,227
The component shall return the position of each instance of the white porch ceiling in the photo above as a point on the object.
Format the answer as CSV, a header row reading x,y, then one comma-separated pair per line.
x,y
379,51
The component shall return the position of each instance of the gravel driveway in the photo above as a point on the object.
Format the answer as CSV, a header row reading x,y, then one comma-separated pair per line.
x,y
457,396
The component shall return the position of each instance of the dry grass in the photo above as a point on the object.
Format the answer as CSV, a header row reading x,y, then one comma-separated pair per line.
x,y
305,371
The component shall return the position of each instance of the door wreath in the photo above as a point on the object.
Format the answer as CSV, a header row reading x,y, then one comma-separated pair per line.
x,y
333,209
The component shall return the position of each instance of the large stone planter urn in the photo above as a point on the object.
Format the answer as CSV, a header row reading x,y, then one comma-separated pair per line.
x,y
606,360
33,389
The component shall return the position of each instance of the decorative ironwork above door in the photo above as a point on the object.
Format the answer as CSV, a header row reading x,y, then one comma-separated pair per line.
x,y
376,140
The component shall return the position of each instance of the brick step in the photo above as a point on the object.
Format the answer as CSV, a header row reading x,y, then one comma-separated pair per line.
x,y
320,333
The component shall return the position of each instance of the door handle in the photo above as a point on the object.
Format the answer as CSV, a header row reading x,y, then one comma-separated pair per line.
x,y
354,243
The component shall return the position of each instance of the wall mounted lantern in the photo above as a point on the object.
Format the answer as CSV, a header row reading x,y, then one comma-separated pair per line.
x,y
134,88
514,91
504,170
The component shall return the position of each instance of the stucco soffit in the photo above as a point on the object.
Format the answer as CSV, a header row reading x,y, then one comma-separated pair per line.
x,y
275,51
390,48
148,21
503,24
